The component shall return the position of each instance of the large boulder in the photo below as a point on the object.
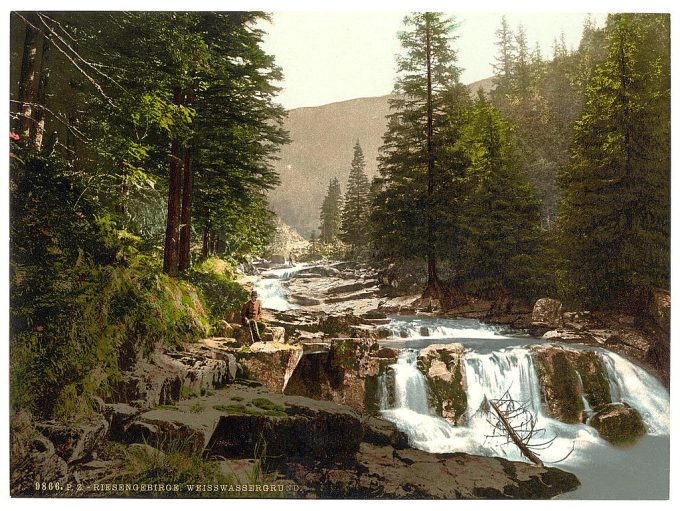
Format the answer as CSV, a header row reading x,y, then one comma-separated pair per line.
x,y
442,365
547,312
269,363
346,372
383,472
619,424
566,376
168,376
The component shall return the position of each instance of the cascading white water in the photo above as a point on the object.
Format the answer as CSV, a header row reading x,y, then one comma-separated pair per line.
x,y
442,328
411,411
490,375
633,385
270,289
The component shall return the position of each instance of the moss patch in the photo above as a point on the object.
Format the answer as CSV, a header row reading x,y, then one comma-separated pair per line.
x,y
249,409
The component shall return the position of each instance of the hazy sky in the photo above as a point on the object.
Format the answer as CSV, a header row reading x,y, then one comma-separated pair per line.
x,y
334,56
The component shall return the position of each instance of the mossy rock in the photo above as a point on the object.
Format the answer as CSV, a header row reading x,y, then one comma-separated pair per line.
x,y
619,424
560,385
594,379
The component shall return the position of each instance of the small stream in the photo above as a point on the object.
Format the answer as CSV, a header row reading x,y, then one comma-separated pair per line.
x,y
270,290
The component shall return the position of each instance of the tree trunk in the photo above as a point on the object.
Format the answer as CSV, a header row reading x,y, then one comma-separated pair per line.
x,y
185,220
39,117
434,288
27,78
206,241
215,244
171,249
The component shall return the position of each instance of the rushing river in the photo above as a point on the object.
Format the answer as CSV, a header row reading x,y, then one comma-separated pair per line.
x,y
495,362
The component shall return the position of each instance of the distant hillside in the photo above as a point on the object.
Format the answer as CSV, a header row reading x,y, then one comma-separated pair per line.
x,y
322,141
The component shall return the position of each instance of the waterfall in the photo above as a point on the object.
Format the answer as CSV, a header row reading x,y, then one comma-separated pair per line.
x,y
490,375
633,385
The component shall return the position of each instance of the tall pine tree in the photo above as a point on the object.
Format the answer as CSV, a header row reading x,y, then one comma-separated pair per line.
x,y
614,222
412,212
330,213
500,215
356,207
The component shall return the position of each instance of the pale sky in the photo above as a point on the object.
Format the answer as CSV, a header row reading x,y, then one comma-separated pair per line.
x,y
333,56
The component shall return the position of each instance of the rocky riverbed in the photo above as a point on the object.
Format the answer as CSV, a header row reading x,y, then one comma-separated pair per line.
x,y
306,409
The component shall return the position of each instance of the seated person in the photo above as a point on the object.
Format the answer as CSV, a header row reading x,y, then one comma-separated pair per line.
x,y
251,315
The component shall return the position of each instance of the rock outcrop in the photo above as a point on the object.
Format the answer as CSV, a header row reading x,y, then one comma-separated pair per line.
x,y
566,375
382,472
346,372
619,424
547,312
442,365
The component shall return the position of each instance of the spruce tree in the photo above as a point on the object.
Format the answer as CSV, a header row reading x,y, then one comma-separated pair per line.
x,y
356,207
614,220
413,211
500,214
330,213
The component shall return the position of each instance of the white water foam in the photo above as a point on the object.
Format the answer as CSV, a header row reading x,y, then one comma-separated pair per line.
x,y
490,375
441,328
271,291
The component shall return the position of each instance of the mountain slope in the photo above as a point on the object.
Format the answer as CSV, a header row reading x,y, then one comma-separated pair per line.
x,y
322,142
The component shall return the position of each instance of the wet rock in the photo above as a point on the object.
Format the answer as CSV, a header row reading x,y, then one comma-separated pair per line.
x,y
424,331
346,373
559,383
385,473
442,365
381,432
594,379
33,457
548,312
565,376
619,424
75,441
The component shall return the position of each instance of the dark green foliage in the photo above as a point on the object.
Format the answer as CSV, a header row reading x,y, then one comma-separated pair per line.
x,y
543,98
85,302
355,210
403,201
330,213
615,211
220,293
500,214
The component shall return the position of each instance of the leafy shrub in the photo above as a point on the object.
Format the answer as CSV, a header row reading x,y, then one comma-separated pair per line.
x,y
85,302
214,279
